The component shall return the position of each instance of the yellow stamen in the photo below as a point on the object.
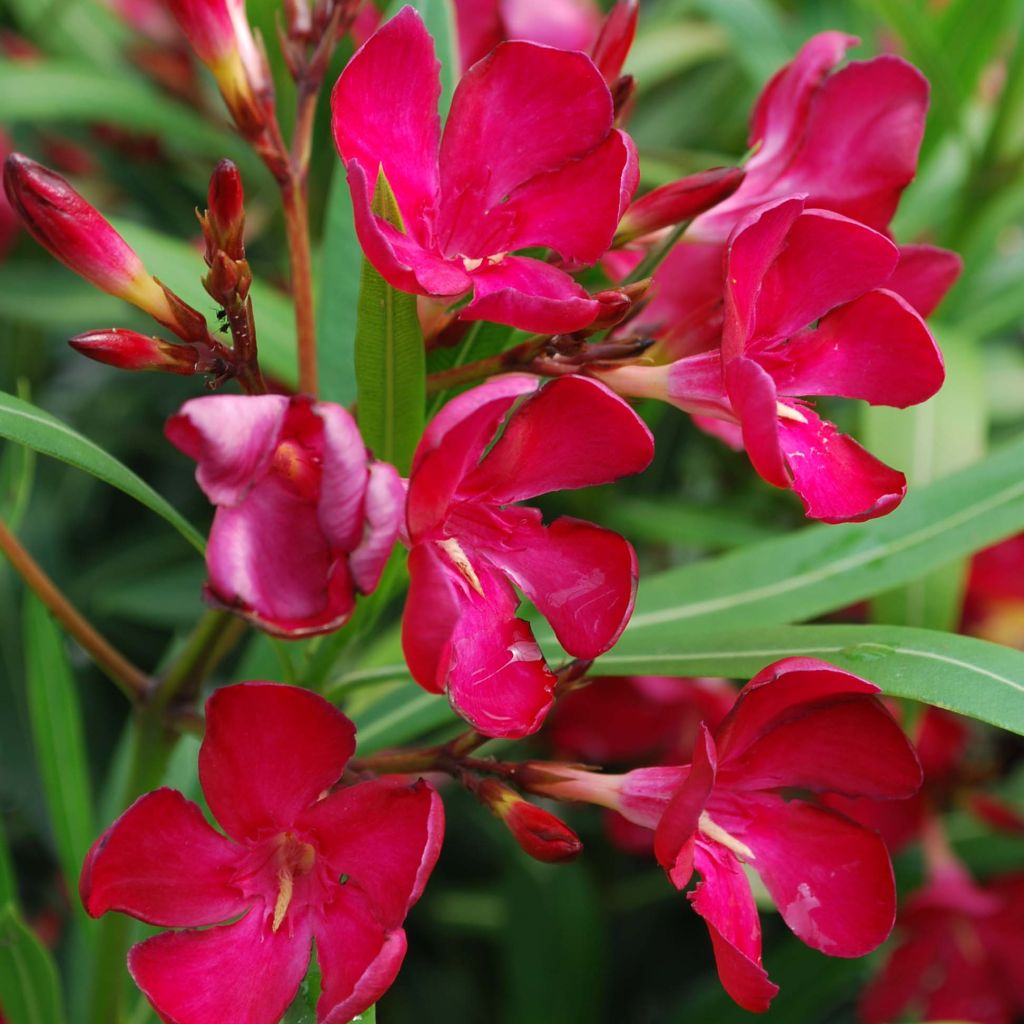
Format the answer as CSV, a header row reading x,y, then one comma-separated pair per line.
x,y
454,551
787,412
284,897
719,835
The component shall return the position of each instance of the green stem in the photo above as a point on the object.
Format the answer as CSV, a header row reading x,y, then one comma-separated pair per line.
x,y
650,263
213,637
519,357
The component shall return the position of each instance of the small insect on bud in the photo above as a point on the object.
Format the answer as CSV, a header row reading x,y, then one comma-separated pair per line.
x,y
73,231
677,201
128,350
538,832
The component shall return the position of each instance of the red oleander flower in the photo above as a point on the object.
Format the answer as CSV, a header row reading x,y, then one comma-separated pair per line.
x,y
994,602
471,547
529,157
298,862
305,518
803,726
958,954
806,313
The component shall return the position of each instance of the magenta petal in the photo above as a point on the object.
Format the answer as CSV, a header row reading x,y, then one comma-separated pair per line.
x,y
567,24
545,211
616,38
385,835
269,751
724,900
824,261
850,745
231,437
385,115
581,577
343,477
674,838
779,692
518,92
358,957
753,396
397,257
836,479
162,863
479,29
531,295
924,274
238,972
384,510
830,878
495,673
431,613
574,432
876,348
268,559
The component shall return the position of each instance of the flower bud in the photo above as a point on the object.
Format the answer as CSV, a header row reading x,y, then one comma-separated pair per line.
x,y
616,303
538,832
224,223
76,233
128,350
677,201
616,37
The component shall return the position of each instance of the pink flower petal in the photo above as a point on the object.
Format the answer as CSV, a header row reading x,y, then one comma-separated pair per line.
x,y
849,745
924,274
753,396
674,838
479,29
531,295
385,835
836,479
359,958
343,480
518,93
876,348
566,24
431,613
545,211
162,863
574,432
830,878
399,258
384,510
581,578
385,115
269,560
725,902
239,972
231,437
823,261
270,750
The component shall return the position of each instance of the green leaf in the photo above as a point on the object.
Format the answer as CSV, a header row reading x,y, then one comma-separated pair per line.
x,y
339,297
405,714
390,364
439,17
28,425
929,442
178,265
823,568
58,735
971,677
760,40
60,90
29,984
8,886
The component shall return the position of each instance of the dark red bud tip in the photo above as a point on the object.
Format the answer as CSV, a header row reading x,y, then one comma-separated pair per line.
x,y
128,350
69,228
678,201
225,215
540,834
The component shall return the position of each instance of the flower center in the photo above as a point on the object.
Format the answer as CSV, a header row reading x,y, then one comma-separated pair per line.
x,y
296,860
453,549
490,261
787,412
715,832
298,468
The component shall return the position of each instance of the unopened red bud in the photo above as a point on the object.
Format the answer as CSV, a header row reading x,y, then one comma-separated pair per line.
x,y
129,350
76,233
616,303
225,213
538,832
678,201
616,37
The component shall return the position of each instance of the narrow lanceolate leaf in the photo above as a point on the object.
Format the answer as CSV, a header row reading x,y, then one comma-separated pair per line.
x,y
29,425
401,716
59,738
8,889
390,365
29,985
928,442
971,677
823,568
339,297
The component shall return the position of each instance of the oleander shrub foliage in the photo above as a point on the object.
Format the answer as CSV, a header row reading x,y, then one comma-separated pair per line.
x,y
545,544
